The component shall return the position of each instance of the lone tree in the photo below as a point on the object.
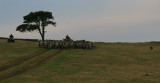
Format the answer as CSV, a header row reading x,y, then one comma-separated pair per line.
x,y
36,21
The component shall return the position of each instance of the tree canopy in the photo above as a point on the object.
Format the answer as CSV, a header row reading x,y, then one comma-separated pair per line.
x,y
36,21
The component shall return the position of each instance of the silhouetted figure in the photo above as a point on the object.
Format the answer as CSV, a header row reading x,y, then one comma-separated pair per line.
x,y
11,38
67,37
151,48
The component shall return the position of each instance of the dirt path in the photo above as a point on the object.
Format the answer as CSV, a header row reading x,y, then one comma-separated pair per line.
x,y
32,67
21,61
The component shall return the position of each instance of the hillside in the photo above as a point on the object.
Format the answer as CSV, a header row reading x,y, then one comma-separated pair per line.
x,y
108,62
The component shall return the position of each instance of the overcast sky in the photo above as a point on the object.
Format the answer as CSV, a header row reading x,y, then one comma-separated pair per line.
x,y
94,20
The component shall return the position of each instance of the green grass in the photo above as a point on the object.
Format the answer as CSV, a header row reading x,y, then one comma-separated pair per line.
x,y
108,63
11,52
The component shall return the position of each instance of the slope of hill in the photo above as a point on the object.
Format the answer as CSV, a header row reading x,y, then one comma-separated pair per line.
x,y
108,63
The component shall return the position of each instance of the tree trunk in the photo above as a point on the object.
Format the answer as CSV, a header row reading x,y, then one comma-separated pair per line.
x,y
43,33
42,37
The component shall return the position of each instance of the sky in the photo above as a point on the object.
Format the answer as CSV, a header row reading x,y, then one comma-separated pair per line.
x,y
93,20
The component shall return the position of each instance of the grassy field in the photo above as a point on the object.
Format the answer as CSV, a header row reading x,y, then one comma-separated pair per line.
x,y
108,63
